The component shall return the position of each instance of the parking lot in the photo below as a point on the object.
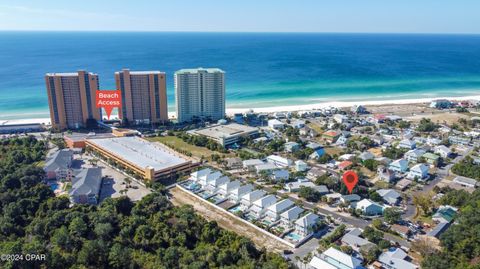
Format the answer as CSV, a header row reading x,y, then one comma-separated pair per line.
x,y
115,183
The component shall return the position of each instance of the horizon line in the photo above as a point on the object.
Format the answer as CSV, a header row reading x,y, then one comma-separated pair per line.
x,y
235,32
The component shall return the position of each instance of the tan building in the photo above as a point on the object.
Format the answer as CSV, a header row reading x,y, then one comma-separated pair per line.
x,y
71,98
147,160
144,96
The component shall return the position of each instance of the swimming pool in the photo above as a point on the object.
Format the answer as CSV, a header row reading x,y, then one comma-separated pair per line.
x,y
54,186
235,209
293,237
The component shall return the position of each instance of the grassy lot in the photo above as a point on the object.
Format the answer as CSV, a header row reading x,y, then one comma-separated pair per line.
x,y
179,143
316,127
333,150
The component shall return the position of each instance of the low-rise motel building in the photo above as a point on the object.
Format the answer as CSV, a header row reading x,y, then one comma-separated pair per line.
x,y
226,134
152,161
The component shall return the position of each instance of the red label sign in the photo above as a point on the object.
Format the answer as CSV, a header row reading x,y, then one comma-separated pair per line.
x,y
350,178
109,100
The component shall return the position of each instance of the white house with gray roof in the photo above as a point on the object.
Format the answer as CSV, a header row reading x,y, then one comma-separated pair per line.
x,y
273,212
400,166
289,216
259,207
306,224
248,199
389,196
237,194
414,155
333,258
419,171
396,259
353,239
227,188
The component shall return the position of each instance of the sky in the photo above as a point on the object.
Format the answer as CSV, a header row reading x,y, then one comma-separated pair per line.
x,y
351,16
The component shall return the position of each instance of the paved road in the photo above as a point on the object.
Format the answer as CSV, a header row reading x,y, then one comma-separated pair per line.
x,y
348,220
441,174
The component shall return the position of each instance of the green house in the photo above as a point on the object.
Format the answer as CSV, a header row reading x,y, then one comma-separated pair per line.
x,y
431,158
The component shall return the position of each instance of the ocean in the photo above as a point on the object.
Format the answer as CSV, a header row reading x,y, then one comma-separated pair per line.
x,y
262,69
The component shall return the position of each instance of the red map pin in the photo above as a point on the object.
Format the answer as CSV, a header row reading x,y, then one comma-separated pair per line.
x,y
108,100
350,178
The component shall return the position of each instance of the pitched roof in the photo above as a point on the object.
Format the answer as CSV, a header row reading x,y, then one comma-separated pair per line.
x,y
254,195
307,220
202,172
395,258
265,201
281,206
292,213
389,195
87,182
352,238
343,258
60,160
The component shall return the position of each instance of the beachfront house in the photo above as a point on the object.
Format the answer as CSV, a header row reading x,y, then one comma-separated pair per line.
x,y
250,164
248,199
407,144
273,212
399,166
289,216
259,207
227,188
368,207
441,104
307,224
333,258
419,171
389,196
413,155
86,186
59,165
291,146
236,194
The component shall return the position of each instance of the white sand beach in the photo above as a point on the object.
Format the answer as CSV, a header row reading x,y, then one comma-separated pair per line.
x,y
340,104
292,108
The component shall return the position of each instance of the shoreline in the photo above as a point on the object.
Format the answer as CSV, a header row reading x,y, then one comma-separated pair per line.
x,y
343,104
290,108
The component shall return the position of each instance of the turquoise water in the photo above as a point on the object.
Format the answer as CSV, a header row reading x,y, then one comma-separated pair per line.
x,y
54,186
263,69
293,236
